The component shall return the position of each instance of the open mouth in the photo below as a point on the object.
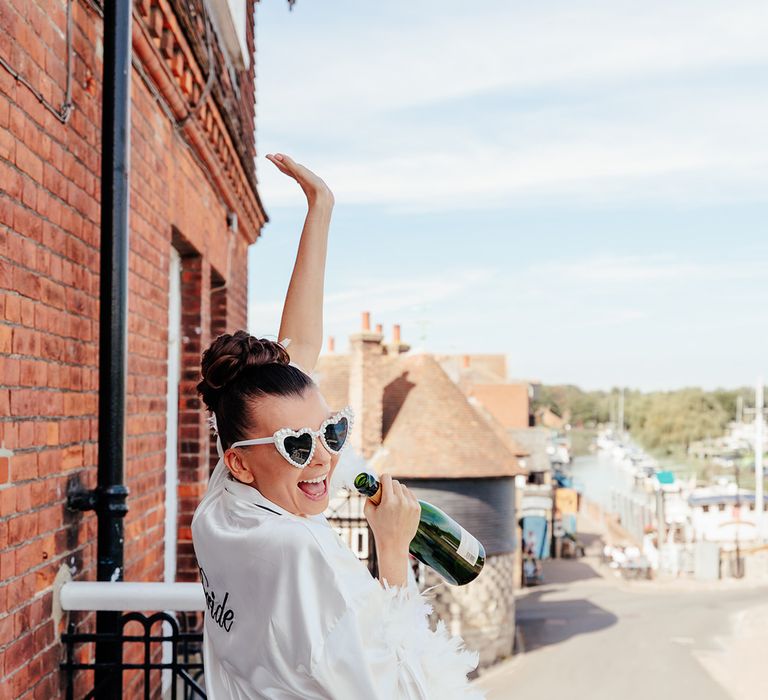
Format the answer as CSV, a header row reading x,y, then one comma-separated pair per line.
x,y
314,489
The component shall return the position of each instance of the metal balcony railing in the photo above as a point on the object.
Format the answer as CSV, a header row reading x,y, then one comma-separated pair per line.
x,y
179,673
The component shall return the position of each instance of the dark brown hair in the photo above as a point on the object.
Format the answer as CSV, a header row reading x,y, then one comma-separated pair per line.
x,y
239,368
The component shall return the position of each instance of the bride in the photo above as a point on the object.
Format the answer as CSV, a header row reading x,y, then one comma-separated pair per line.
x,y
292,613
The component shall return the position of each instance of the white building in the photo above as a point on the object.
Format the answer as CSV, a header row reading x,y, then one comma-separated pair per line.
x,y
723,515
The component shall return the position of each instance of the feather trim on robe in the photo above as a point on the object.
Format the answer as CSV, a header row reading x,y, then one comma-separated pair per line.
x,y
443,659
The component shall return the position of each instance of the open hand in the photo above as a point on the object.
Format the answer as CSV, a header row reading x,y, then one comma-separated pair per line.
x,y
314,187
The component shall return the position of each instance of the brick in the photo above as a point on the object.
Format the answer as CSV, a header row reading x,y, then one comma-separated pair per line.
x,y
44,578
17,656
27,222
28,555
6,338
7,506
10,371
42,492
12,308
22,528
28,162
23,498
6,628
26,283
7,144
5,111
7,207
4,470
7,565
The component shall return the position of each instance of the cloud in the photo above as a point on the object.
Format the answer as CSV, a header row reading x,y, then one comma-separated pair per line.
x,y
602,319
534,116
406,54
429,107
613,271
386,298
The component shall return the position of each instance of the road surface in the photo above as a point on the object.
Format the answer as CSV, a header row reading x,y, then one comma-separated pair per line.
x,y
589,636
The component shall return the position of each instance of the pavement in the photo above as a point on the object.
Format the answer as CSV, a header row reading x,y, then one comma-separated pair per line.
x,y
587,634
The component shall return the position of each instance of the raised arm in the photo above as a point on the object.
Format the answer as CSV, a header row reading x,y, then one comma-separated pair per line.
x,y
302,319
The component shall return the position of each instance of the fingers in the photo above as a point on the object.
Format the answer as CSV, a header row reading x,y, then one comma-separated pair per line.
x,y
285,163
289,162
387,491
280,163
392,491
414,502
400,492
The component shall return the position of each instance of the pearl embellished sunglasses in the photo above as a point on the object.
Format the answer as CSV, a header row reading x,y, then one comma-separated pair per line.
x,y
298,446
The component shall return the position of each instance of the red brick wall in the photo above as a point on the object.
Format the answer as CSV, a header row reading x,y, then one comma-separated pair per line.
x,y
49,282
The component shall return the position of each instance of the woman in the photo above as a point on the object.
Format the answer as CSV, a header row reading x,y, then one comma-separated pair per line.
x,y
292,612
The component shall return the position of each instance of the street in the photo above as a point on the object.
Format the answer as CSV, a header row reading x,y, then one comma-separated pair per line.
x,y
587,634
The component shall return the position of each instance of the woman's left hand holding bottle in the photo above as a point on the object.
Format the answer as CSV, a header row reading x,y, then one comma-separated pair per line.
x,y
394,523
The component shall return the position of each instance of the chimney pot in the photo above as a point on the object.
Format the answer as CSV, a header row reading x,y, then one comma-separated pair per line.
x,y
396,333
331,344
465,361
366,320
379,328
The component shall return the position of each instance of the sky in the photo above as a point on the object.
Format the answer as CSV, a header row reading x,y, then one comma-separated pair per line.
x,y
580,186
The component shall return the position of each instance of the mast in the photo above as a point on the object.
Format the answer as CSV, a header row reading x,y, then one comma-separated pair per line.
x,y
759,498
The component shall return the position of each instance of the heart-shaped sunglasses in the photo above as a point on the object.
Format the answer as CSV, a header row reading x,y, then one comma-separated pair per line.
x,y
298,446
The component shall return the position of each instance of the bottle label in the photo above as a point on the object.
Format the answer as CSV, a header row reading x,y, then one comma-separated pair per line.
x,y
469,547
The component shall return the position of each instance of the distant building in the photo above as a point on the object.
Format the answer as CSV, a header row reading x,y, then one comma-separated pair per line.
x,y
509,403
547,418
724,515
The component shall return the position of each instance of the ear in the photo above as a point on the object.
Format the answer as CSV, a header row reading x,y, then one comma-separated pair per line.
x,y
237,467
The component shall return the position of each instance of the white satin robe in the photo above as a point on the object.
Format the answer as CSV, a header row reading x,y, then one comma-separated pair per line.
x,y
294,614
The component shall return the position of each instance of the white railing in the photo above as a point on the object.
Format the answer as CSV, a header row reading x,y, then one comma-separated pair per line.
x,y
129,596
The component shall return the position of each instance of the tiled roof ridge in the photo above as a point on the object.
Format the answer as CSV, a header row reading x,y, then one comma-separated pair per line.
x,y
429,370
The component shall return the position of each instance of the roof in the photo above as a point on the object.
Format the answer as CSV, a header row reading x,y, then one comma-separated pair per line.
x,y
501,432
433,432
723,498
482,369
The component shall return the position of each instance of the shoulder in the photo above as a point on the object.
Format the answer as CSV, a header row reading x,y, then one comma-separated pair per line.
x,y
293,538
308,551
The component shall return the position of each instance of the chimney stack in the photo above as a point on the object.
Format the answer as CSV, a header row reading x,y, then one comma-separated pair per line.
x,y
331,344
397,346
366,376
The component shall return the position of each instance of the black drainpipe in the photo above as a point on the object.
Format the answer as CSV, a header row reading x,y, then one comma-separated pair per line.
x,y
109,497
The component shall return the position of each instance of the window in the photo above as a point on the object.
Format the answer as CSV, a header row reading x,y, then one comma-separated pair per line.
x,y
239,11
230,20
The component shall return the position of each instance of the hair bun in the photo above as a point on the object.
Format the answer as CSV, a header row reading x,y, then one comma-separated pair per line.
x,y
232,354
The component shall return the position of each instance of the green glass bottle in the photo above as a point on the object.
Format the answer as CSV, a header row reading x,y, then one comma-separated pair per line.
x,y
440,542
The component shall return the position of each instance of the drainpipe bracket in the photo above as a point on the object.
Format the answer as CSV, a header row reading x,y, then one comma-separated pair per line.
x,y
110,500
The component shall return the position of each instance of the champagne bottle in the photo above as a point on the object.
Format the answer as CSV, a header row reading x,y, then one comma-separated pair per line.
x,y
440,542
